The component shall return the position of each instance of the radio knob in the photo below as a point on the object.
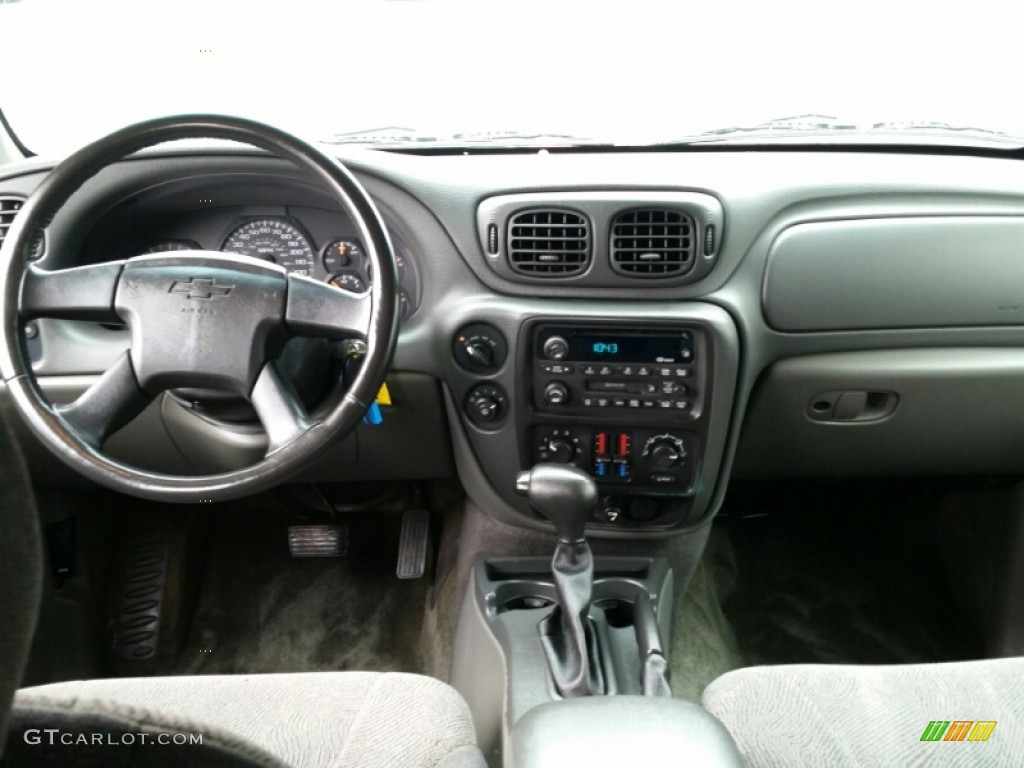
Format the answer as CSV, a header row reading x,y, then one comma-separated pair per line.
x,y
556,393
664,454
556,348
561,450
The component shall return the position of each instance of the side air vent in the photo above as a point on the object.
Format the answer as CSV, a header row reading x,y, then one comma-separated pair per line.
x,y
548,243
9,207
652,243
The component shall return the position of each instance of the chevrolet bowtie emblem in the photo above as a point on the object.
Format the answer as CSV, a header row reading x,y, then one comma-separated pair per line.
x,y
201,288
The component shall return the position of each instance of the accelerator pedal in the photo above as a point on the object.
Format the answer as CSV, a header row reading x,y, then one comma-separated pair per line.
x,y
413,544
318,540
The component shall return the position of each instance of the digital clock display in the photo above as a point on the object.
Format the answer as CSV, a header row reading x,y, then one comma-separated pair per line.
x,y
654,346
605,348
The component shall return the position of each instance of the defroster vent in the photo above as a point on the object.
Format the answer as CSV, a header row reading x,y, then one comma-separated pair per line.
x,y
549,243
652,243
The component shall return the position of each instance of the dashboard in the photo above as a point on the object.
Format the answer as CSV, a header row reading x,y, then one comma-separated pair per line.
x,y
667,322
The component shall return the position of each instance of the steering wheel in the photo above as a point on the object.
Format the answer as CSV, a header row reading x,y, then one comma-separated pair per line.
x,y
197,319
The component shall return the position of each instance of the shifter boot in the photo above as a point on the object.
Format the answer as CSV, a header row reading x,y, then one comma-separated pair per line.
x,y
566,633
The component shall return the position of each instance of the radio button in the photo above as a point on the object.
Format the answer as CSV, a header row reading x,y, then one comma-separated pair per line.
x,y
605,370
602,402
650,403
626,370
649,388
682,405
589,370
634,403
682,373
664,403
644,370
619,402
556,368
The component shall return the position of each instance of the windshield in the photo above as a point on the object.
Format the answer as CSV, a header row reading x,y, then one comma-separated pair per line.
x,y
398,71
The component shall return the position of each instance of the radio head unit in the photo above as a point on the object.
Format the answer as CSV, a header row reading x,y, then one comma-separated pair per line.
x,y
602,370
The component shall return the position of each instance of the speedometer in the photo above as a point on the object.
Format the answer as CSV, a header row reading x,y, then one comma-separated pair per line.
x,y
273,240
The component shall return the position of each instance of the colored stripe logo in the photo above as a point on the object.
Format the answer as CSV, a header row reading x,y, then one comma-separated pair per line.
x,y
958,730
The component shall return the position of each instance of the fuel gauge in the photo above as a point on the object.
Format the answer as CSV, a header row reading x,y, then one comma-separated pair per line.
x,y
348,281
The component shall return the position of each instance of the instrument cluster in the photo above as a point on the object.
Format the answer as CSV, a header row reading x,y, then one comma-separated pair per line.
x,y
337,258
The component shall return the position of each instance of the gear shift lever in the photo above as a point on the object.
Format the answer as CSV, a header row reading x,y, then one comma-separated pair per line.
x,y
567,496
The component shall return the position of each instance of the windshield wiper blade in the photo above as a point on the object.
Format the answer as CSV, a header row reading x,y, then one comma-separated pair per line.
x,y
385,134
397,136
824,127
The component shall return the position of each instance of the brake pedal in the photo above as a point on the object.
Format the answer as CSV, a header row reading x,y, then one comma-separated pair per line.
x,y
413,544
318,540
147,561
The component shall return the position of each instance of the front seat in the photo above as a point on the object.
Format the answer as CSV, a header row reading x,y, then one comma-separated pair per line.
x,y
840,716
302,720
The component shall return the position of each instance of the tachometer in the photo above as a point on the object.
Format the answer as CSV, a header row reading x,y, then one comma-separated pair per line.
x,y
273,240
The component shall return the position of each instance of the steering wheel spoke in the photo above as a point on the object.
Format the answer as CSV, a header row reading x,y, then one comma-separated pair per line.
x,y
110,403
79,293
279,409
323,311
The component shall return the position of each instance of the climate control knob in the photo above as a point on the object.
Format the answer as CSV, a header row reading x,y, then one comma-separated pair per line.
x,y
665,451
561,450
556,348
556,393
665,455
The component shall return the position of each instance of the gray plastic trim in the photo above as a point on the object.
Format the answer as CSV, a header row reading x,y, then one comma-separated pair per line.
x,y
896,273
600,208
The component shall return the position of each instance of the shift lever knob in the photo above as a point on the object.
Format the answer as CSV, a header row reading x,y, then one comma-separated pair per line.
x,y
565,495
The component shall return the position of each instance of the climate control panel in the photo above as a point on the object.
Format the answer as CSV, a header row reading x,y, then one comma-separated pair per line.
x,y
626,459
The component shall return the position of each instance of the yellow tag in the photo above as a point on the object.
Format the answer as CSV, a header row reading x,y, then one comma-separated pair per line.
x,y
384,397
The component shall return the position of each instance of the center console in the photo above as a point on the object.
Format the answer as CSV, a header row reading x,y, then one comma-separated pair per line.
x,y
638,396
625,402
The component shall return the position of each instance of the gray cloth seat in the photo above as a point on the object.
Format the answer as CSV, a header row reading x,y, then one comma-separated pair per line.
x,y
306,720
840,715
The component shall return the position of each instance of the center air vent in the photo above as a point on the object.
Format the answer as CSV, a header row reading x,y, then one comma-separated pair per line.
x,y
652,243
548,243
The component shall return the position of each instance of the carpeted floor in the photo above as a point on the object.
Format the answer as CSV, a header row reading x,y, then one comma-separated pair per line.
x,y
259,610
826,573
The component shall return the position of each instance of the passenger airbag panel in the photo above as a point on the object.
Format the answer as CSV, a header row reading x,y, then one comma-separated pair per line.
x,y
912,272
